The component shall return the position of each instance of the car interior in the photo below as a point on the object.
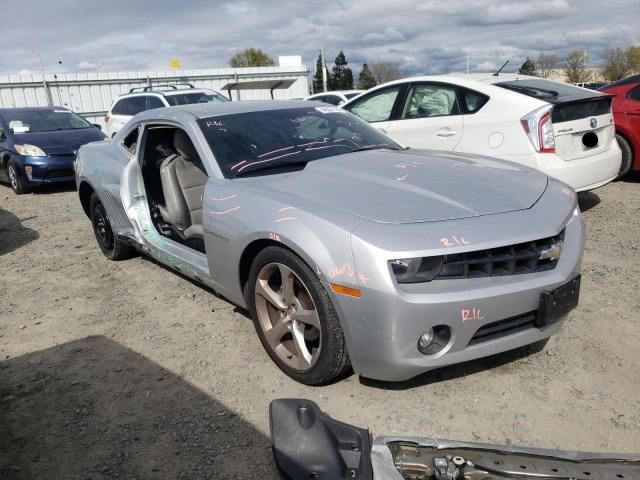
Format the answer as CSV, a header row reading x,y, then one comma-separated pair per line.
x,y
174,178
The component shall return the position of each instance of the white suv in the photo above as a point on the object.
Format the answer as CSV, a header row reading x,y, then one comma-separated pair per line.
x,y
565,131
146,98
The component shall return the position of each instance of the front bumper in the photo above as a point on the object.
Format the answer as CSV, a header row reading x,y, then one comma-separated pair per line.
x,y
45,170
383,327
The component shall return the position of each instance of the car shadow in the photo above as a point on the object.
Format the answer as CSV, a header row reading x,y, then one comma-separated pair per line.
x,y
93,409
458,370
588,200
55,188
631,177
13,234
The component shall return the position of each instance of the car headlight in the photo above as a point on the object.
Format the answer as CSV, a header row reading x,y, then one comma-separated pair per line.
x,y
416,270
29,150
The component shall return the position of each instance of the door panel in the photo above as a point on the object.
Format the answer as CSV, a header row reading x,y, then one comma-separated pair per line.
x,y
430,118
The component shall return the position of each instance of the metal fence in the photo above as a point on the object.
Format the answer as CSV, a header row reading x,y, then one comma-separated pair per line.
x,y
91,94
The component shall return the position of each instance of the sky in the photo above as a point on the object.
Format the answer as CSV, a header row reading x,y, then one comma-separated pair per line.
x,y
424,37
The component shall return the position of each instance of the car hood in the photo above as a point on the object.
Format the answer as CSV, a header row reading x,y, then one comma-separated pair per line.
x,y
410,187
60,141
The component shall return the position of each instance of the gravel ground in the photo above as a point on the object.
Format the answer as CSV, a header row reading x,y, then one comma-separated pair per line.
x,y
127,370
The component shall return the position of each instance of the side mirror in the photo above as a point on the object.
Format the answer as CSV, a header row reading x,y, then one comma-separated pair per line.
x,y
97,125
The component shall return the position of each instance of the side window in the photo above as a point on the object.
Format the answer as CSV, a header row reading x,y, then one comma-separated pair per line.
x,y
154,102
470,101
634,93
377,106
332,99
137,104
130,142
120,107
430,100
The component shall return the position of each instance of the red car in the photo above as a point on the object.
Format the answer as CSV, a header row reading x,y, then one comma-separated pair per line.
x,y
626,115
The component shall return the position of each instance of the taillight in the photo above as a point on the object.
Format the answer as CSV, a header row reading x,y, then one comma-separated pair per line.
x,y
539,128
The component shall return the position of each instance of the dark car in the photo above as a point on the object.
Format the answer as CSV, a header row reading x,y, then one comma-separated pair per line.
x,y
626,115
38,145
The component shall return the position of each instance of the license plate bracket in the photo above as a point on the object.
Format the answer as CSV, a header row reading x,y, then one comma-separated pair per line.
x,y
558,302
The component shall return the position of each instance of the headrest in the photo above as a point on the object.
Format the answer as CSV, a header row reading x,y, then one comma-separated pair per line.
x,y
184,147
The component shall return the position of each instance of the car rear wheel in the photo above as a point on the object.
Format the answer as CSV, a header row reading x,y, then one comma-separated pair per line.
x,y
295,319
627,155
112,247
14,179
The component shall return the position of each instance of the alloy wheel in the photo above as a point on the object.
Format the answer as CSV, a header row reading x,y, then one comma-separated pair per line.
x,y
288,316
13,177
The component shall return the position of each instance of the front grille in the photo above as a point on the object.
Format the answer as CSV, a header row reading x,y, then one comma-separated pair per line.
x,y
61,155
60,172
509,260
504,327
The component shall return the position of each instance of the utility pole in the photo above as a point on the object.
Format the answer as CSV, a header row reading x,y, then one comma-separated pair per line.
x,y
324,70
47,93
467,62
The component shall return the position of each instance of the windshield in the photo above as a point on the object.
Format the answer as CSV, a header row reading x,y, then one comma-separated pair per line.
x,y
257,141
30,121
195,97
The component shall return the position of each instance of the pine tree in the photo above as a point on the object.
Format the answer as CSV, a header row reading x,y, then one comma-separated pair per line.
x,y
342,78
365,79
528,68
317,77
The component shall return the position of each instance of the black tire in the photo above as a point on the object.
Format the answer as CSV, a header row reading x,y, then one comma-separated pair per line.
x,y
627,156
333,358
15,181
112,247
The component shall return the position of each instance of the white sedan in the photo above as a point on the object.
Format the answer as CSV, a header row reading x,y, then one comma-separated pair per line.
x,y
565,131
336,97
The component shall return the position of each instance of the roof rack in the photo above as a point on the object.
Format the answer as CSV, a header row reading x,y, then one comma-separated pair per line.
x,y
150,88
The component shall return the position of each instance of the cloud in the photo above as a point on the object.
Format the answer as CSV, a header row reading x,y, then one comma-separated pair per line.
x,y
424,36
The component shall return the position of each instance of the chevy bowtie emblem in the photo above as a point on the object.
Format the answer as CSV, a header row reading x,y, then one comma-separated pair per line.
x,y
593,122
552,253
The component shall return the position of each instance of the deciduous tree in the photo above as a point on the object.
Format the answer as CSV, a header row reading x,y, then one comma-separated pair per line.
x,y
546,63
616,64
384,71
251,57
575,67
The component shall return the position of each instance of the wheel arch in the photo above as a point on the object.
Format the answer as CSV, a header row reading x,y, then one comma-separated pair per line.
x,y
84,192
635,149
253,249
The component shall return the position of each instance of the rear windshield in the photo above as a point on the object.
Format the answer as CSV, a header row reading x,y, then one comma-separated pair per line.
x,y
544,89
245,143
30,121
195,97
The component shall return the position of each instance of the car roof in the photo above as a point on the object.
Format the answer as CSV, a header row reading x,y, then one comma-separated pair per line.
x,y
31,109
206,110
166,93
625,81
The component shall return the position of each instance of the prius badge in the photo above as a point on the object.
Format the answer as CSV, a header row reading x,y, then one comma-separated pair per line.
x,y
593,122
552,252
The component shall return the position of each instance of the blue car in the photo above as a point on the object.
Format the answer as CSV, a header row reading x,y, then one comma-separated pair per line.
x,y
38,146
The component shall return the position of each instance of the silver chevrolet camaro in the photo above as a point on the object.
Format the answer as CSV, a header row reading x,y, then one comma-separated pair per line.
x,y
346,249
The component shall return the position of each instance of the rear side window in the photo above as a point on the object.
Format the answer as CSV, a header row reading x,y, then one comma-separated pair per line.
x,y
376,107
130,141
634,93
154,102
430,100
130,106
470,101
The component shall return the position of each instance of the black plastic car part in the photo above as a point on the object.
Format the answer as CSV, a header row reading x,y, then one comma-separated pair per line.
x,y
307,444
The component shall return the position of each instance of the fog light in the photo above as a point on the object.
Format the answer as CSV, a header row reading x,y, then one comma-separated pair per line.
x,y
434,340
425,339
29,171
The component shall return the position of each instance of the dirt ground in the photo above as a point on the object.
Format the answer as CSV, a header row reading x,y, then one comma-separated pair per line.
x,y
127,370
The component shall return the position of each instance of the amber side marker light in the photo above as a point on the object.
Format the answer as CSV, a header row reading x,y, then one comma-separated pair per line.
x,y
350,292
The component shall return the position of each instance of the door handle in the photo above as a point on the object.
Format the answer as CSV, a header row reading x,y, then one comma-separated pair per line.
x,y
446,133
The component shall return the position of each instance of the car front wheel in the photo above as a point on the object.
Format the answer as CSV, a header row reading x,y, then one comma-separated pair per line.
x,y
16,182
295,319
112,247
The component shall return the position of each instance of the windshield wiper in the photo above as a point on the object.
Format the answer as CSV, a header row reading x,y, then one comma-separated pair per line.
x,y
375,147
270,166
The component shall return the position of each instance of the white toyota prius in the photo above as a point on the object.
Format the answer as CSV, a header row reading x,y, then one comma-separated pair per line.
x,y
565,131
